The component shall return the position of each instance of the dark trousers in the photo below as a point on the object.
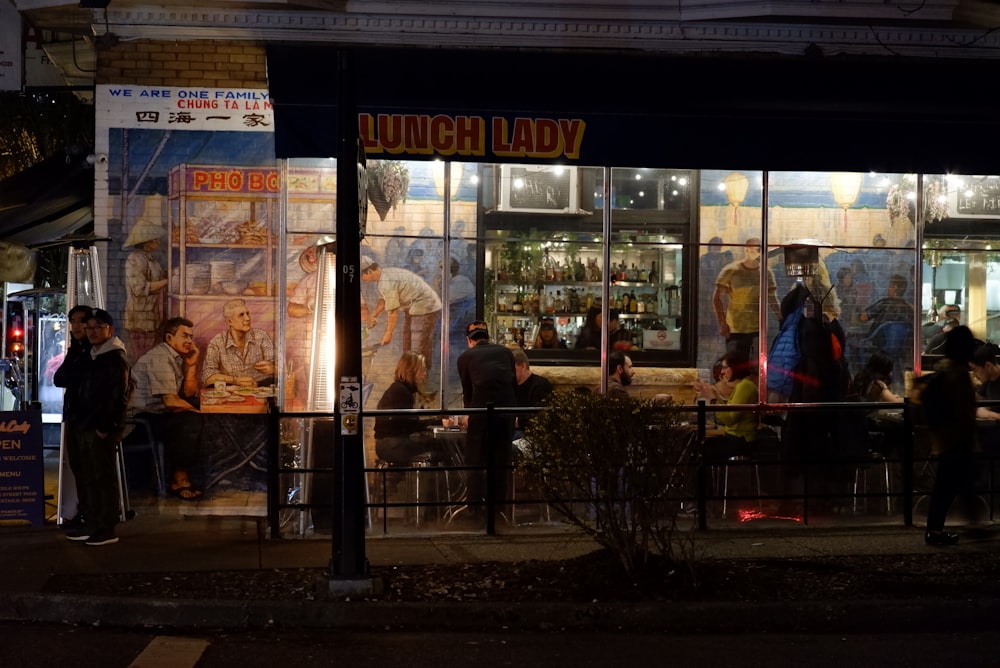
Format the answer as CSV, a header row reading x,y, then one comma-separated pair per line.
x,y
98,480
488,442
956,476
75,458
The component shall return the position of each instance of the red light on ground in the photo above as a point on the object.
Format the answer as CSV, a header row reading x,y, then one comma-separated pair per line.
x,y
748,514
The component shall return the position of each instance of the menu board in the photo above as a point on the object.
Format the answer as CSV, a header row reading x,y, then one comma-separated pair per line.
x,y
22,468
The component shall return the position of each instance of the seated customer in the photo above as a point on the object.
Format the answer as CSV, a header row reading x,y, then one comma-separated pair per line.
x,y
532,390
874,383
739,428
399,439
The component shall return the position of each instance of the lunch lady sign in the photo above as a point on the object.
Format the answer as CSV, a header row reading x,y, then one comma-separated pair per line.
x,y
22,469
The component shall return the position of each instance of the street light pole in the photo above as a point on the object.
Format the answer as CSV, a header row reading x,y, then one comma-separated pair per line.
x,y
349,569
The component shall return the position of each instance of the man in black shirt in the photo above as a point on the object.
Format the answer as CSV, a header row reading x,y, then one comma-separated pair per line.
x,y
532,390
487,373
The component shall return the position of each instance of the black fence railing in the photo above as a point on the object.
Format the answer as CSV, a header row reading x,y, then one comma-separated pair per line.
x,y
797,478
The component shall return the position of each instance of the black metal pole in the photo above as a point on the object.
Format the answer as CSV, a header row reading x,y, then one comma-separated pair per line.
x,y
702,487
349,561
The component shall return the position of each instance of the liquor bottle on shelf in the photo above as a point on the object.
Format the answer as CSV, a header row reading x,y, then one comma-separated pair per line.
x,y
643,273
548,267
633,303
652,278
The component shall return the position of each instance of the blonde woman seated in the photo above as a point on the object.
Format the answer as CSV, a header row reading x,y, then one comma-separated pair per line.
x,y
738,429
399,439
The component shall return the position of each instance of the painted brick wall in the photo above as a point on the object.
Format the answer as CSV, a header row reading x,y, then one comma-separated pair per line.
x,y
195,63
161,63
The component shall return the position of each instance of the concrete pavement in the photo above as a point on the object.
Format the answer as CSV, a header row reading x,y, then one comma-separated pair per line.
x,y
158,540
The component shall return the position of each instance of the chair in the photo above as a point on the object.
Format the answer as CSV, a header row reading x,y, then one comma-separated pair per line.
x,y
143,439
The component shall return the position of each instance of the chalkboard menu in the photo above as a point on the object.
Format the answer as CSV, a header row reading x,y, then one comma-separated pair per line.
x,y
980,197
22,468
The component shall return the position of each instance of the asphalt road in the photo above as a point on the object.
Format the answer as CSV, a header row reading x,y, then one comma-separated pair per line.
x,y
46,645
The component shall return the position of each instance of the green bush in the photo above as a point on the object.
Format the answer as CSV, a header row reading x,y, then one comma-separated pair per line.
x,y
621,470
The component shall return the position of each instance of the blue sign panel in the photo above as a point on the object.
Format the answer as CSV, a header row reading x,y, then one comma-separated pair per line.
x,y
22,468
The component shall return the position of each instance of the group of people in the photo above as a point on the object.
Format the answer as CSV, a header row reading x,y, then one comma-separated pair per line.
x,y
96,376
491,374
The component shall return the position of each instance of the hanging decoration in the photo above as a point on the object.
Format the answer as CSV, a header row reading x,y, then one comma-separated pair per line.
x,y
846,188
897,203
736,186
935,201
388,185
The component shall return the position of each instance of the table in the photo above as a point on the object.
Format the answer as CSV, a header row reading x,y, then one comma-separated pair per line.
x,y
235,399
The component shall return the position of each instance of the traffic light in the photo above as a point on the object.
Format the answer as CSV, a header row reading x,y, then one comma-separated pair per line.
x,y
15,331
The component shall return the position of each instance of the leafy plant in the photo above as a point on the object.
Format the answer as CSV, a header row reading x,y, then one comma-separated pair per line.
x,y
622,470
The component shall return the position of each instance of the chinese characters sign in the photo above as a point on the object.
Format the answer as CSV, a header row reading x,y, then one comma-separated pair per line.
x,y
233,109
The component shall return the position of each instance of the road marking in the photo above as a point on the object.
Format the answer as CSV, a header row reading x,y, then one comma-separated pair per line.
x,y
170,652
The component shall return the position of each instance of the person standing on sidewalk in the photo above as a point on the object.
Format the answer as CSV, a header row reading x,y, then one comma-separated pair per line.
x,y
69,375
949,407
103,398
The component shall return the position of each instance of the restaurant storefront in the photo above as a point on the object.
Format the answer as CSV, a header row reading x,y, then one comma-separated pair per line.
x,y
529,185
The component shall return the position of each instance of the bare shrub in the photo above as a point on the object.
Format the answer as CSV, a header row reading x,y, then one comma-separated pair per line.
x,y
620,470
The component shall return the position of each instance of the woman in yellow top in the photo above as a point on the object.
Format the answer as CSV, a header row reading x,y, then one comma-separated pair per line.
x,y
739,428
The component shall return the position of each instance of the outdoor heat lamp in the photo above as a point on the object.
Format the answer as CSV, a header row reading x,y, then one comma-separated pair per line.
x,y
802,258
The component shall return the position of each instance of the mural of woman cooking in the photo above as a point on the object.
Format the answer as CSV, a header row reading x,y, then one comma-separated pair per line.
x,y
145,280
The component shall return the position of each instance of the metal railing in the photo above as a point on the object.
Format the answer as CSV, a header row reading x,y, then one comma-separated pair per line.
x,y
904,496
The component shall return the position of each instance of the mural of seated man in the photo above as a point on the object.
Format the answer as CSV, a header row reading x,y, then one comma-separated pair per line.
x,y
241,355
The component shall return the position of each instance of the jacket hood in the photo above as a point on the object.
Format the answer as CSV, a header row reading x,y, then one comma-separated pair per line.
x,y
114,343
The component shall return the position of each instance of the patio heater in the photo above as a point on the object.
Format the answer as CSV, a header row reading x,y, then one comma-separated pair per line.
x,y
321,396
84,287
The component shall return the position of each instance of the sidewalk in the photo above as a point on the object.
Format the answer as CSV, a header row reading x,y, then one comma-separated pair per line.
x,y
153,543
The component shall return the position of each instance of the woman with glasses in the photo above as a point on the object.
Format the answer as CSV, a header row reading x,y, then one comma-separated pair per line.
x,y
738,429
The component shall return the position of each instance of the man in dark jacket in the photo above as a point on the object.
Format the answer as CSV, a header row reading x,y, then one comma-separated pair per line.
x,y
69,375
102,398
488,377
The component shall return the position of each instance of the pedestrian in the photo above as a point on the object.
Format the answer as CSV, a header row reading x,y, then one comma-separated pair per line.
x,y
488,377
69,375
948,403
102,399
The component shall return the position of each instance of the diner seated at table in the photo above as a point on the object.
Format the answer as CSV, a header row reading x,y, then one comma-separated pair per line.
x,y
873,384
400,439
738,429
166,395
241,355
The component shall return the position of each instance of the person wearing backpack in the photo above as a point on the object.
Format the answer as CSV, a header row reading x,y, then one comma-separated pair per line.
x,y
102,398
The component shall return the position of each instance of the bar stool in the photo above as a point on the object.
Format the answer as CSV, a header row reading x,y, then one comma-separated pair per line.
x,y
876,439
745,461
412,480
